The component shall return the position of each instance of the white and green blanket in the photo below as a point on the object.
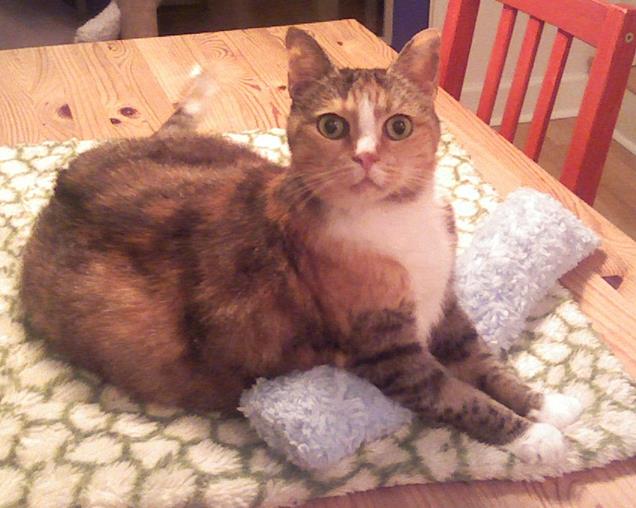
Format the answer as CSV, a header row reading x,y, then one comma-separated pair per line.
x,y
67,439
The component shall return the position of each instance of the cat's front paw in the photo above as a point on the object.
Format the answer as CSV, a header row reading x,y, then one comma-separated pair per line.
x,y
558,410
541,443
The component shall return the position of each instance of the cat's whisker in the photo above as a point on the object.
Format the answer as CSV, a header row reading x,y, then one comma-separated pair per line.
x,y
306,198
324,173
313,182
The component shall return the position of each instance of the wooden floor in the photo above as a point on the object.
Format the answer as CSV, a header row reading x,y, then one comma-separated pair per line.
x,y
616,198
215,15
29,23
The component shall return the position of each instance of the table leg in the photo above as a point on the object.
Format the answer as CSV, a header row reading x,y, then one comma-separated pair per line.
x,y
138,18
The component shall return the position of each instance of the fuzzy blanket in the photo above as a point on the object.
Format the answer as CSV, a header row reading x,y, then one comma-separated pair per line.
x,y
68,439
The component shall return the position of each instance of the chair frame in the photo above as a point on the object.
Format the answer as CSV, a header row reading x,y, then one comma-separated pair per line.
x,y
609,28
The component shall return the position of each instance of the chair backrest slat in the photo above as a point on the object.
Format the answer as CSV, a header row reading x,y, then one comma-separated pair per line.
x,y
496,63
581,18
601,103
457,39
610,28
548,94
521,78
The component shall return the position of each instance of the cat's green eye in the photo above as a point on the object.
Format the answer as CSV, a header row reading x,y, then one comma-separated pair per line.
x,y
332,126
398,127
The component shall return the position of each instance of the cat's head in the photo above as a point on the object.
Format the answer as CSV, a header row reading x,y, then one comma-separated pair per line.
x,y
362,136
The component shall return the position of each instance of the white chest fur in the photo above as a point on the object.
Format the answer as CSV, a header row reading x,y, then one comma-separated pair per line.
x,y
416,235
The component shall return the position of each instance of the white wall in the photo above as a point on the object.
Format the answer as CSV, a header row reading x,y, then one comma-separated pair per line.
x,y
574,77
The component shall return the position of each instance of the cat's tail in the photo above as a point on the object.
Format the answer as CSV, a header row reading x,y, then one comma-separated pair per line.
x,y
197,102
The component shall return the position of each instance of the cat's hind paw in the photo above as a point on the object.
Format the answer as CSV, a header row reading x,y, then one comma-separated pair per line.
x,y
541,443
558,410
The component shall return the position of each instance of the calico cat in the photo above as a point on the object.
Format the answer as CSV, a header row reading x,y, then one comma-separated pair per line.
x,y
182,267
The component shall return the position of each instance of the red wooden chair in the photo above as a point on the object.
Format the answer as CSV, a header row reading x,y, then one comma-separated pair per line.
x,y
611,29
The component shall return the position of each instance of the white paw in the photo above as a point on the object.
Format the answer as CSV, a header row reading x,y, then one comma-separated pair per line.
x,y
542,443
558,410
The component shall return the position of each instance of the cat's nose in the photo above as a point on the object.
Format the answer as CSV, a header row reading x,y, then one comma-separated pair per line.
x,y
366,160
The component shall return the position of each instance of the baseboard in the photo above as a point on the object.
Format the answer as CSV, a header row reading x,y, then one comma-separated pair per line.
x,y
625,132
566,106
625,140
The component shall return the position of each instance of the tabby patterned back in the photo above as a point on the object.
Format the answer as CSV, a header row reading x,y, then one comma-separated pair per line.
x,y
183,267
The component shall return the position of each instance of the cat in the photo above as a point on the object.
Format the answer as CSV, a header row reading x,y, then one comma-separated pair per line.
x,y
182,267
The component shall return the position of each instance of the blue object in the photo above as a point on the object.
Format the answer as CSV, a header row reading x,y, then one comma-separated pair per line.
x,y
516,255
409,17
318,417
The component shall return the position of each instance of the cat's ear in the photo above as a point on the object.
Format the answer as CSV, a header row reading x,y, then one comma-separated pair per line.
x,y
419,60
307,61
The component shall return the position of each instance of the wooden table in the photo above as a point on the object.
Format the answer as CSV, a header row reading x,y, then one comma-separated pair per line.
x,y
128,88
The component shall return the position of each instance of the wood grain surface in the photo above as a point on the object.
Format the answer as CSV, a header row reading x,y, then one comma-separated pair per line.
x,y
128,88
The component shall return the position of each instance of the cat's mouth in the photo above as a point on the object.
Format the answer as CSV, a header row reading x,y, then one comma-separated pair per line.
x,y
365,185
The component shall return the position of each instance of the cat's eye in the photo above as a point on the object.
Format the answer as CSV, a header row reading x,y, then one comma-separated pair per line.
x,y
398,127
332,126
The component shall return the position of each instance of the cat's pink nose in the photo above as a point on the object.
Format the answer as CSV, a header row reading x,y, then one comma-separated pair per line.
x,y
366,160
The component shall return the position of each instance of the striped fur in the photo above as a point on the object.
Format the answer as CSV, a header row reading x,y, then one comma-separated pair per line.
x,y
182,267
